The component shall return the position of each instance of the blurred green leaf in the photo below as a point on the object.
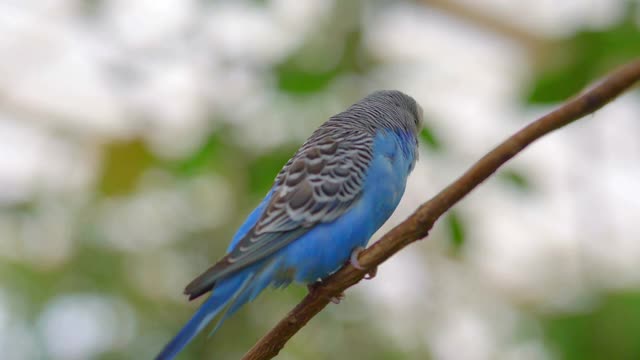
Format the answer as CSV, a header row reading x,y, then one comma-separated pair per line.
x,y
515,179
263,169
102,270
202,159
575,62
456,230
91,7
610,331
429,138
294,78
123,165
34,284
334,50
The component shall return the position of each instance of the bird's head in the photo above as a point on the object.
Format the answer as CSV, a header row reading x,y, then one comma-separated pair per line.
x,y
393,108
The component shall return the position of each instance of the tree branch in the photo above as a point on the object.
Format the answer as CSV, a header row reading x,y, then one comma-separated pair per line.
x,y
484,21
417,226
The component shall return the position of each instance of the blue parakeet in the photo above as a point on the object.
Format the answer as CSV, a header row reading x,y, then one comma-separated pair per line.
x,y
326,202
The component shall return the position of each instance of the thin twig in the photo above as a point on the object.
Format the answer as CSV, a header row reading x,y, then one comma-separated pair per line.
x,y
419,223
493,24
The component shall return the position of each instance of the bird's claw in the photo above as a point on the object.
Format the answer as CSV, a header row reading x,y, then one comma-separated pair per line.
x,y
371,274
353,260
313,286
336,300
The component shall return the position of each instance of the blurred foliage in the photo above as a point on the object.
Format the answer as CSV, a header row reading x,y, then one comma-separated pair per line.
x,y
296,79
609,331
205,158
264,168
430,139
123,164
571,64
456,230
515,178
336,50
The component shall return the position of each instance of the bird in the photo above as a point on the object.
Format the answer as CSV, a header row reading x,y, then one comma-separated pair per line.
x,y
341,186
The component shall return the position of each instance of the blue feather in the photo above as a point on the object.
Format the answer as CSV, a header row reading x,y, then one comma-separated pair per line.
x,y
225,292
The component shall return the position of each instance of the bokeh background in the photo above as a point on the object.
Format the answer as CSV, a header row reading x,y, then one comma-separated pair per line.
x,y
136,135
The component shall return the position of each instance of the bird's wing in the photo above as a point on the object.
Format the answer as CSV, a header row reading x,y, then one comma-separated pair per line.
x,y
320,182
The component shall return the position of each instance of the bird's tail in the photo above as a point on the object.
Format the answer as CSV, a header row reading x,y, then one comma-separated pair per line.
x,y
228,291
232,292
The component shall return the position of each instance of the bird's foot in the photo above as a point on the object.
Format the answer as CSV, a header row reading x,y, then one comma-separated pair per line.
x,y
313,286
353,260
371,274
336,300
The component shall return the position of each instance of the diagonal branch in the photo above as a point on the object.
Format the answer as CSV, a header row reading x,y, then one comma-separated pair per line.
x,y
493,24
417,226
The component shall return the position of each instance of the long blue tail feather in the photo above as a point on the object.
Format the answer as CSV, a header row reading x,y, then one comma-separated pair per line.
x,y
262,278
227,292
